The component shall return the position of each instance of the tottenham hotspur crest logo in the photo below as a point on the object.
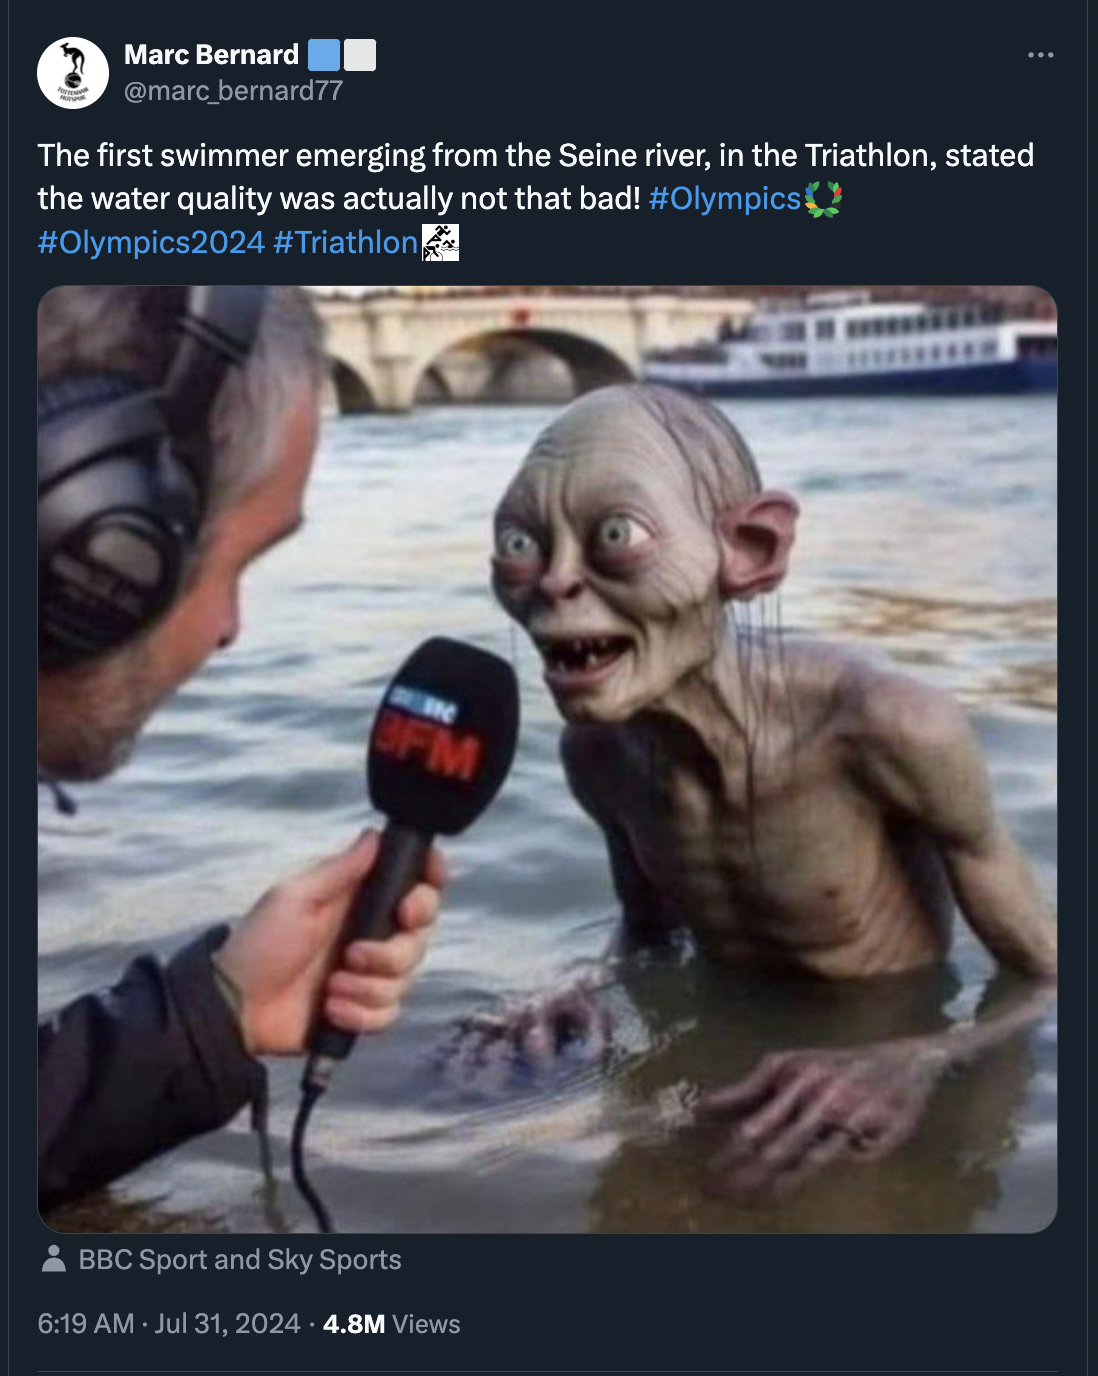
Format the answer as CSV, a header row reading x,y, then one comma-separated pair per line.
x,y
73,73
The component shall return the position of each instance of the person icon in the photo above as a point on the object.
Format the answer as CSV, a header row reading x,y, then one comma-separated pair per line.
x,y
53,1262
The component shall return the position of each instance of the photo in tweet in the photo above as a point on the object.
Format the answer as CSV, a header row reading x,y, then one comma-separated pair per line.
x,y
754,932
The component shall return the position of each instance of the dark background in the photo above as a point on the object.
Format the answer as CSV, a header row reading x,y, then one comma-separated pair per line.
x,y
932,76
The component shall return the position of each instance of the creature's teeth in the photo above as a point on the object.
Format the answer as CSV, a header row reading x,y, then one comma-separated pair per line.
x,y
580,653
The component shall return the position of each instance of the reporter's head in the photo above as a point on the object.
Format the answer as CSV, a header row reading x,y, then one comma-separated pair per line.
x,y
263,433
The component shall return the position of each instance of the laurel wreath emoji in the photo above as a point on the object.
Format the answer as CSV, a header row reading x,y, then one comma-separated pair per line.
x,y
810,200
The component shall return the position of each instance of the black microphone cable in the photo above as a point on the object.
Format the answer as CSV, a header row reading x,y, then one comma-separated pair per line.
x,y
311,1092
402,853
62,801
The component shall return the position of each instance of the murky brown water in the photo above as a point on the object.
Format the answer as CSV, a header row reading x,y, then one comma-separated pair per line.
x,y
928,533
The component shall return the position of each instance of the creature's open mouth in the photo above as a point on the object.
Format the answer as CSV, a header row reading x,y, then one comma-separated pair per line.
x,y
581,657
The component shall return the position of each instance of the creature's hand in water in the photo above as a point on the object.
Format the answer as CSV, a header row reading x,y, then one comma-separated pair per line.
x,y
799,1111
534,1036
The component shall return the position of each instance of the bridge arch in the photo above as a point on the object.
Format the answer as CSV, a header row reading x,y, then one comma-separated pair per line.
x,y
476,342
434,387
518,364
349,392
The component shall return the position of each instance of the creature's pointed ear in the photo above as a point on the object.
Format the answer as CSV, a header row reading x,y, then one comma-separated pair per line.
x,y
756,537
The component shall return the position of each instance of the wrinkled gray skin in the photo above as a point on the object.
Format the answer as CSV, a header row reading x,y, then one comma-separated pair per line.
x,y
498,1051
797,811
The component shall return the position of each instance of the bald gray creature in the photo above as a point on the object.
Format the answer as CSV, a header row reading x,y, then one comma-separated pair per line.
x,y
817,815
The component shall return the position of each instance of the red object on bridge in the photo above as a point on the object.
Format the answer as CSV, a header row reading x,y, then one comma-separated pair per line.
x,y
520,317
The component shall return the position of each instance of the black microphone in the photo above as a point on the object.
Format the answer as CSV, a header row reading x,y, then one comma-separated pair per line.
x,y
441,746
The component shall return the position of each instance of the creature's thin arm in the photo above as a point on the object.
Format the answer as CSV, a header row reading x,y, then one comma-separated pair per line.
x,y
921,757
644,917
586,769
1010,1005
998,894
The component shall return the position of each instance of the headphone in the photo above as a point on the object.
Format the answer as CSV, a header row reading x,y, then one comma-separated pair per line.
x,y
123,481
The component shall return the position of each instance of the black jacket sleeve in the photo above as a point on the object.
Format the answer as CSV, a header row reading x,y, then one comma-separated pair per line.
x,y
132,1071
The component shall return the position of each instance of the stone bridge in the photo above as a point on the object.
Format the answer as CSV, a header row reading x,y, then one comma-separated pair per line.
x,y
388,350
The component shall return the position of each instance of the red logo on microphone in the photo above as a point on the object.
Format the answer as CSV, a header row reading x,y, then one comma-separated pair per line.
x,y
438,748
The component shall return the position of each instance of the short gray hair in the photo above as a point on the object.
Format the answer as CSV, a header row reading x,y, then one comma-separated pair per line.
x,y
132,330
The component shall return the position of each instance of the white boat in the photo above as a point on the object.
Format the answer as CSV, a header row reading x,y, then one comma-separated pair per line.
x,y
846,343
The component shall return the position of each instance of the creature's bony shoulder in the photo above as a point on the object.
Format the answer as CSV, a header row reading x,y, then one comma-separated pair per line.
x,y
821,680
890,715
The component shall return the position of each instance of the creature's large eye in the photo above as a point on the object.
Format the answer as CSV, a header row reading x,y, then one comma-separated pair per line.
x,y
516,544
618,532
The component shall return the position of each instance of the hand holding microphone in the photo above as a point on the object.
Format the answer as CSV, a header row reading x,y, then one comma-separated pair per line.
x,y
308,952
287,959
441,746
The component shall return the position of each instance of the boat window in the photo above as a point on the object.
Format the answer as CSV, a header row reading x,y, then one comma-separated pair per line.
x,y
951,320
1037,346
825,329
989,347
970,318
793,331
907,324
969,351
951,352
921,323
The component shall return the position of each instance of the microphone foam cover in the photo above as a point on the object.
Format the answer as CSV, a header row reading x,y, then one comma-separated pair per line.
x,y
444,737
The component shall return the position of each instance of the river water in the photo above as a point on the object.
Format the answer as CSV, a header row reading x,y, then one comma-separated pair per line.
x,y
928,532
